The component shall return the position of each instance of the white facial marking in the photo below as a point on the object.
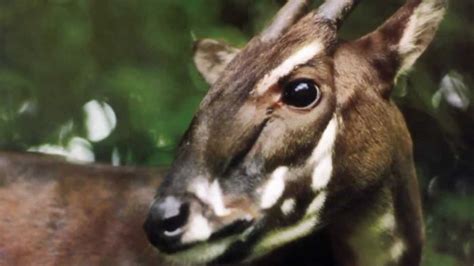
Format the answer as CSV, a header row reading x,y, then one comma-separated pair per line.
x,y
427,15
317,204
216,200
322,159
322,173
200,188
274,188
285,235
322,156
302,56
288,206
197,230
211,194
202,253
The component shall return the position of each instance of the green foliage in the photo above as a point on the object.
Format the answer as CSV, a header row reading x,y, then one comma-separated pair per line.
x,y
135,56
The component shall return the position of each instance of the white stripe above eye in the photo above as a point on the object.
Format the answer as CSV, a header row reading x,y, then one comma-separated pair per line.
x,y
322,156
298,58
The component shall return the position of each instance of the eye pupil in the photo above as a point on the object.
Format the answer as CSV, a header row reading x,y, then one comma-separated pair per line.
x,y
300,93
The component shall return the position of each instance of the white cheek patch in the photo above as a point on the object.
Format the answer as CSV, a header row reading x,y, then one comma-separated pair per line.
x,y
317,204
322,156
322,173
211,194
288,207
198,230
419,31
322,159
302,56
274,188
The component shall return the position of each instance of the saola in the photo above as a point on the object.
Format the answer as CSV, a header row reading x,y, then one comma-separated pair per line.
x,y
297,153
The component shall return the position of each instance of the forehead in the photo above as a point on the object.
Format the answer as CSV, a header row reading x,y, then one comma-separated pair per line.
x,y
258,60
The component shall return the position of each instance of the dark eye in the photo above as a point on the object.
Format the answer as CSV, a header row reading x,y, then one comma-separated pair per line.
x,y
301,93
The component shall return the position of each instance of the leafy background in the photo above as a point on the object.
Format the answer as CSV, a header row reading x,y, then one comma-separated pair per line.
x,y
112,81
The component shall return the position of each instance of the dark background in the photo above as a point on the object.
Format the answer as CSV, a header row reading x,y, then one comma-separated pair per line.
x,y
127,64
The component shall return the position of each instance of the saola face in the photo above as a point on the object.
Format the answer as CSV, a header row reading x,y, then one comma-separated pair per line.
x,y
268,149
251,147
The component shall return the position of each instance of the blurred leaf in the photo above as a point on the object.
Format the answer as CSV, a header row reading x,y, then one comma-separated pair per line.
x,y
459,208
436,99
433,258
454,91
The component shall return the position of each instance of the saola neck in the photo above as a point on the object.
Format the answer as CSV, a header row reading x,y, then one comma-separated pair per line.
x,y
376,234
372,234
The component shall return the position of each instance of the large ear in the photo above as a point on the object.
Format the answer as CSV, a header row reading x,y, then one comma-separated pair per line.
x,y
400,41
212,57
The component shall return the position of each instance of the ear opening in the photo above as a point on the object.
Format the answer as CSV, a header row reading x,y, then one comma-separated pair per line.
x,y
401,40
211,57
420,31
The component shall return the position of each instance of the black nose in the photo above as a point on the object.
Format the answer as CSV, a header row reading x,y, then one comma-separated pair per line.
x,y
165,223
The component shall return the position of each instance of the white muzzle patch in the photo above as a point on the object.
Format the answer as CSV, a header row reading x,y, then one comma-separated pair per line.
x,y
200,228
210,194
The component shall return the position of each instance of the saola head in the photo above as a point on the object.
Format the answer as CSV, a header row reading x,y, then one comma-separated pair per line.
x,y
296,125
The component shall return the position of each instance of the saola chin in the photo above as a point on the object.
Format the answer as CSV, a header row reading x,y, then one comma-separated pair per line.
x,y
297,154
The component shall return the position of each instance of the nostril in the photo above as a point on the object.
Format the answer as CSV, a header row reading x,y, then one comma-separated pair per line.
x,y
172,224
166,222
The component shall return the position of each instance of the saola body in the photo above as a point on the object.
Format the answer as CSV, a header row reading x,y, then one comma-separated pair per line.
x,y
297,146
58,213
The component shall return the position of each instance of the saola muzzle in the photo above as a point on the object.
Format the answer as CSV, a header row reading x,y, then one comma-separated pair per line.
x,y
297,146
166,225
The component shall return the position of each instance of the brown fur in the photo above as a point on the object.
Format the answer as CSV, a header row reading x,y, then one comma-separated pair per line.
x,y
59,213
374,170
56,213
374,136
